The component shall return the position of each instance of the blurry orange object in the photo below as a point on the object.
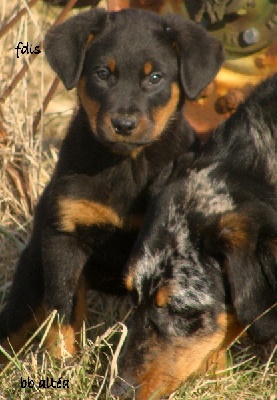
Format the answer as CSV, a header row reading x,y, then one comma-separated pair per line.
x,y
116,5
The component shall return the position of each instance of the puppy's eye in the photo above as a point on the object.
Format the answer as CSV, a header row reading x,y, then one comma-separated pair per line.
x,y
103,74
155,78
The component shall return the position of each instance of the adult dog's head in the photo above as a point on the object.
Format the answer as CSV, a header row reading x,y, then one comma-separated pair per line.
x,y
132,70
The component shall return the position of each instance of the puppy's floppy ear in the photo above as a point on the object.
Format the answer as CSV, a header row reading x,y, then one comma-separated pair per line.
x,y
65,44
201,55
248,242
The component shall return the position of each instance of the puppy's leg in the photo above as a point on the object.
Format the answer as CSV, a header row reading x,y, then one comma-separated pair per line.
x,y
63,261
65,338
24,311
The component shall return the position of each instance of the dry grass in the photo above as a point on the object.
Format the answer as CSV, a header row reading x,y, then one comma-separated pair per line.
x,y
27,158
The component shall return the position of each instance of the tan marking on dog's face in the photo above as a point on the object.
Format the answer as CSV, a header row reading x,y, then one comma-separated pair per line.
x,y
137,134
230,324
233,229
129,282
217,360
174,364
162,296
148,68
169,364
89,39
162,115
84,212
112,64
91,106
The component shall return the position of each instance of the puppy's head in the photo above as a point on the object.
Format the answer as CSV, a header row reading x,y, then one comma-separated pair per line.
x,y
132,69
200,272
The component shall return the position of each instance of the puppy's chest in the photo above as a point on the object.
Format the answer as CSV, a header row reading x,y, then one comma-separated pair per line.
x,y
112,200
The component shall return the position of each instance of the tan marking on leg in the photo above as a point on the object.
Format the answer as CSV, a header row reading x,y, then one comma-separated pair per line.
x,y
16,340
91,106
80,309
60,341
162,115
129,278
84,212
63,340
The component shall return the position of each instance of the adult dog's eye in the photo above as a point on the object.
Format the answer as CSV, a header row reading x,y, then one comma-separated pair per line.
x,y
103,74
155,78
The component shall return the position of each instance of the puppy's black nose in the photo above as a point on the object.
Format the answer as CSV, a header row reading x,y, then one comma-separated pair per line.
x,y
124,125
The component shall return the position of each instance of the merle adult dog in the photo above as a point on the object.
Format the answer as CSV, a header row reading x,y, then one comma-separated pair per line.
x,y
205,264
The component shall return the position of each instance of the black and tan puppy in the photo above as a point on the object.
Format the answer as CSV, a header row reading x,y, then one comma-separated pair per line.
x,y
205,263
132,70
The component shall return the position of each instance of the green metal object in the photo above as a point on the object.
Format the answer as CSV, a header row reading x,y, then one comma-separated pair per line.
x,y
243,26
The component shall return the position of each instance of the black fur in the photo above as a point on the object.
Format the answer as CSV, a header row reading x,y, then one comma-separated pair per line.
x,y
116,145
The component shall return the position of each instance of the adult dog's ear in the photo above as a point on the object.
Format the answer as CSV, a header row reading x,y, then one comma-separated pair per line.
x,y
201,55
65,44
248,243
